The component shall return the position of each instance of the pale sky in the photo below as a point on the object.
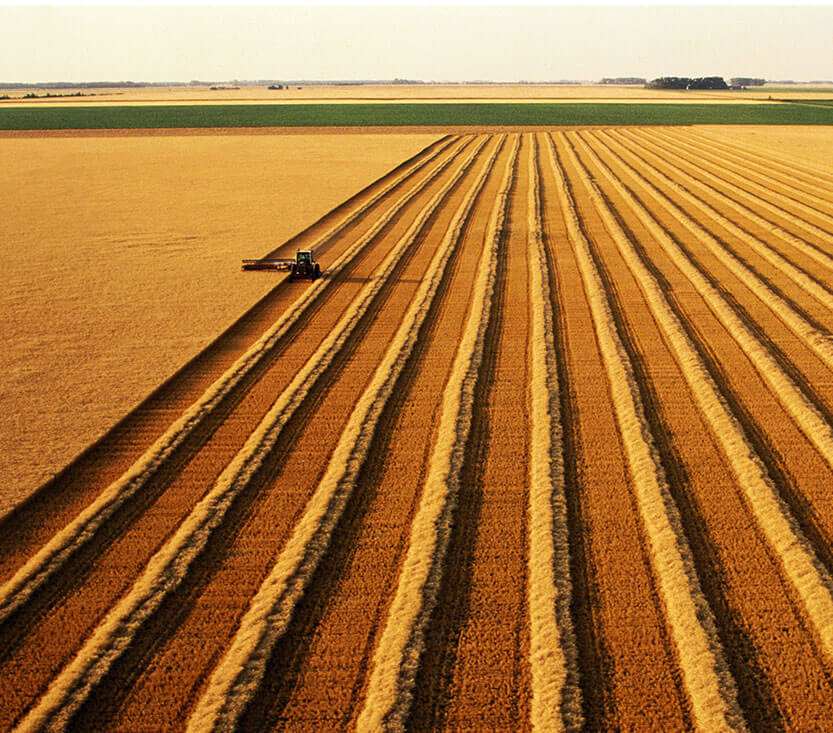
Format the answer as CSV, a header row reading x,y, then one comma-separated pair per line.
x,y
430,42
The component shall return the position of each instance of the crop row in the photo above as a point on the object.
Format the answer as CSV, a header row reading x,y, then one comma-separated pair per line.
x,y
171,562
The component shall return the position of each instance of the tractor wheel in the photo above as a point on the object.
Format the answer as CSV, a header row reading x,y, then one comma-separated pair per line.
x,y
316,273
292,273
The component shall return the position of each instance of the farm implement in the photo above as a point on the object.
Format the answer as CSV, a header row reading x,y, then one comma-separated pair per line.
x,y
304,265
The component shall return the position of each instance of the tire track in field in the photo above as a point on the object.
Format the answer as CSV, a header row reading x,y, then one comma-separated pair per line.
x,y
758,202
170,564
782,174
34,523
749,172
396,658
799,276
789,163
801,567
236,678
478,629
707,682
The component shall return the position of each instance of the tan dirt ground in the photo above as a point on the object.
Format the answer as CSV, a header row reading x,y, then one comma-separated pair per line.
x,y
121,261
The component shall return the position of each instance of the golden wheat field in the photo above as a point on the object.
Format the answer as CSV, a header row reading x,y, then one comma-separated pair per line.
x,y
549,445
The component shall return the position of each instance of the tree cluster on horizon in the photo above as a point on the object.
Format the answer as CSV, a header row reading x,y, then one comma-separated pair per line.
x,y
684,82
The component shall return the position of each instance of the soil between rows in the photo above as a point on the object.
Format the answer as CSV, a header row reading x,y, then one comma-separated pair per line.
x,y
473,671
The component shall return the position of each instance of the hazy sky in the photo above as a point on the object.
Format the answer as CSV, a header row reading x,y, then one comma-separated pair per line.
x,y
435,41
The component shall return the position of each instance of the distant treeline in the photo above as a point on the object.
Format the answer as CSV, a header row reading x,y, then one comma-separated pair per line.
x,y
81,85
790,81
625,80
684,82
745,81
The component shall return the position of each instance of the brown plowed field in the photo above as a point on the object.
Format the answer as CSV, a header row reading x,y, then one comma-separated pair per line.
x,y
253,566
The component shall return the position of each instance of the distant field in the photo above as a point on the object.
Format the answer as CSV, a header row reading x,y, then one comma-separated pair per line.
x,y
407,115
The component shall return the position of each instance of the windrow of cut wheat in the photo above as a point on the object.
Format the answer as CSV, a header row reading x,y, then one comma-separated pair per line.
x,y
52,556
773,160
802,410
765,181
238,674
704,671
396,658
801,567
797,275
760,200
553,657
169,565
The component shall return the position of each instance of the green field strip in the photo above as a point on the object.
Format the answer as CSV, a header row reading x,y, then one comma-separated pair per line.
x,y
791,90
406,114
824,102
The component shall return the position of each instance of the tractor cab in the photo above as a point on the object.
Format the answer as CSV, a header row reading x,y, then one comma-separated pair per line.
x,y
304,266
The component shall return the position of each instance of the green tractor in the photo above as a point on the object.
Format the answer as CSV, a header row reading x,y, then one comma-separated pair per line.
x,y
304,266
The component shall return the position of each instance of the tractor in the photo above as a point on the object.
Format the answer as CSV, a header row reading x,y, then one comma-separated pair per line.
x,y
304,265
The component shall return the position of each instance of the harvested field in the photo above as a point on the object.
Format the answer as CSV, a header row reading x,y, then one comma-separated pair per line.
x,y
550,446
